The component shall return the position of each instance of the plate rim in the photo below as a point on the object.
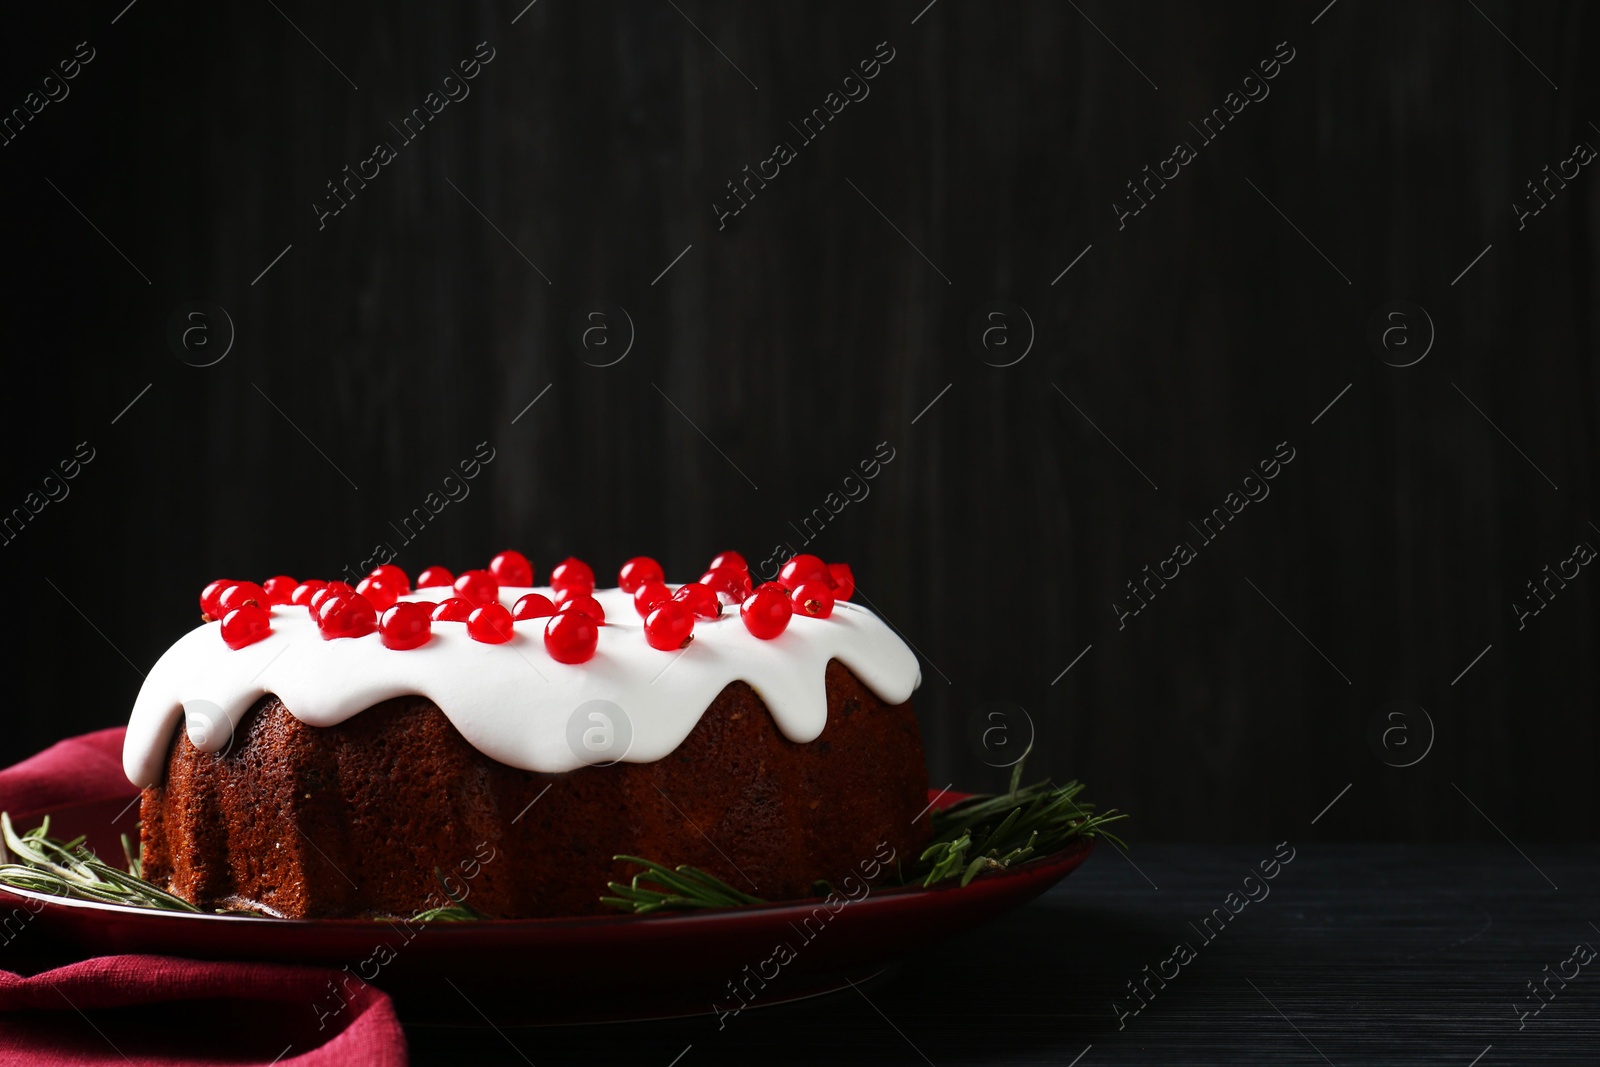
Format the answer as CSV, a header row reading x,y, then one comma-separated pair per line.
x,y
1077,851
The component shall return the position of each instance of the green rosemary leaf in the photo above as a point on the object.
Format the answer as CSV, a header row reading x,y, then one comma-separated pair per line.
x,y
974,867
454,912
684,886
999,832
1009,828
717,887
136,887
448,914
131,855
633,892
659,887
66,868
671,880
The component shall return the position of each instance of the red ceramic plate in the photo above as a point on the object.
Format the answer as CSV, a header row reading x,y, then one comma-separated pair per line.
x,y
607,967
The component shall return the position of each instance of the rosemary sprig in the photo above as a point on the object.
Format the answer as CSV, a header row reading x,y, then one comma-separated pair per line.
x,y
994,832
68,869
130,854
658,887
454,912
981,833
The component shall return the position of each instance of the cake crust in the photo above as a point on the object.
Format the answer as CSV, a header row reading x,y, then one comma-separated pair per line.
x,y
353,820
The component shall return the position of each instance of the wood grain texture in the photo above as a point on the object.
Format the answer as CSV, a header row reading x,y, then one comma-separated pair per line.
x,y
1416,955
778,353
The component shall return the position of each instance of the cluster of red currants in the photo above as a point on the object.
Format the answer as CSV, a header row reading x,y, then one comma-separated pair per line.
x,y
575,616
572,633
374,605
805,584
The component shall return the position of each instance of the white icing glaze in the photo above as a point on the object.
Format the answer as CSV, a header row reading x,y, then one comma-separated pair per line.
x,y
512,701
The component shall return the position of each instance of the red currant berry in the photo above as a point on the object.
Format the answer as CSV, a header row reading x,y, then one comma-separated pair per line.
x,y
637,571
511,568
728,559
346,615
306,590
699,599
735,585
453,609
844,581
321,596
766,613
573,573
649,595
209,596
379,592
670,626
280,590
775,586
803,568
405,625
478,587
246,625
571,637
490,624
533,606
397,579
814,599
584,603
432,576
239,594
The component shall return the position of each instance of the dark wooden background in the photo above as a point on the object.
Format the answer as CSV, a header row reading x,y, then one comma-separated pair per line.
x,y
810,330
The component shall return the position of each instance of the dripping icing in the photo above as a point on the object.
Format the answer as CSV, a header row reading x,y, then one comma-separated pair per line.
x,y
513,702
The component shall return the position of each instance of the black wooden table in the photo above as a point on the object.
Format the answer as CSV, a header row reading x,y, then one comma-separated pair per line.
x,y
1352,954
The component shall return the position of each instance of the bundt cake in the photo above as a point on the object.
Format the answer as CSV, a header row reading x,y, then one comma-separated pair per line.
x,y
378,751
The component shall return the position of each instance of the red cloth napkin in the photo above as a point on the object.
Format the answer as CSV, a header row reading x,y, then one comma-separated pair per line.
x,y
157,1010
73,771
